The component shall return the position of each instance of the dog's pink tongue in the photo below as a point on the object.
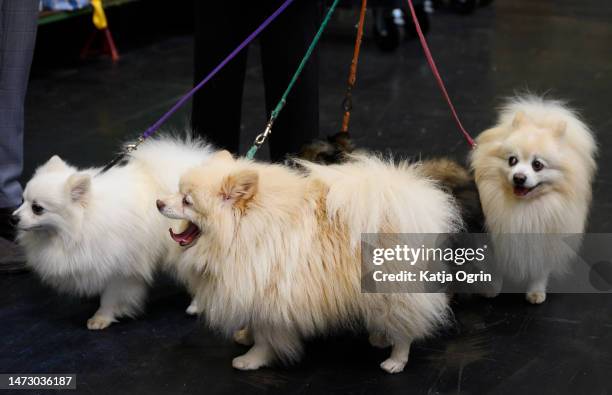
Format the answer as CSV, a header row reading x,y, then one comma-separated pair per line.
x,y
187,236
175,236
521,191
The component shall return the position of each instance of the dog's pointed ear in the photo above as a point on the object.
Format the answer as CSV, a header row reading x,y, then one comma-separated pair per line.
x,y
490,135
519,119
78,186
223,155
559,129
54,164
56,160
240,186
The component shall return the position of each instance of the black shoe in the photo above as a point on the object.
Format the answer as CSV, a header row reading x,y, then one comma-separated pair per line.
x,y
12,259
7,230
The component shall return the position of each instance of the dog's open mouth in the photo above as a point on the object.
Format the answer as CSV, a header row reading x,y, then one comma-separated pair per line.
x,y
30,228
188,236
521,191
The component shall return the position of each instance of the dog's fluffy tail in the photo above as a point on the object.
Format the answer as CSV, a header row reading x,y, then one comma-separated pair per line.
x,y
373,195
457,180
448,172
168,156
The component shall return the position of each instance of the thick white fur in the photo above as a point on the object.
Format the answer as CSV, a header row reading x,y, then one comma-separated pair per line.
x,y
100,234
280,254
532,127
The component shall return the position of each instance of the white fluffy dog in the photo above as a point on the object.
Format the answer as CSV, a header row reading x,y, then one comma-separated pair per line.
x,y
90,233
278,251
534,171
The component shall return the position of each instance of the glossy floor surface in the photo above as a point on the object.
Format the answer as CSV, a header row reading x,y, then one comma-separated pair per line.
x,y
82,110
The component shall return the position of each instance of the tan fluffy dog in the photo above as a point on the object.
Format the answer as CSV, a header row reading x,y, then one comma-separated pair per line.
x,y
279,250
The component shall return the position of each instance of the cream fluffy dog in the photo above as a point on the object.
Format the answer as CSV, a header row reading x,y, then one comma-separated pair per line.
x,y
93,234
279,251
534,171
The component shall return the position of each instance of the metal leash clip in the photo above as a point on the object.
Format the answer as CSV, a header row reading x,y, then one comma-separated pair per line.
x,y
261,138
129,148
347,103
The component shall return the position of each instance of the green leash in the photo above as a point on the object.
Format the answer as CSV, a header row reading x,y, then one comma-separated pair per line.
x,y
261,138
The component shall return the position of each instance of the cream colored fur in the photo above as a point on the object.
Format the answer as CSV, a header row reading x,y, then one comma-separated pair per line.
x,y
279,251
531,128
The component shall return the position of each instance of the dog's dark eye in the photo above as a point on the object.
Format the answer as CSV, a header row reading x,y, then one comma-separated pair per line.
x,y
37,209
537,165
513,160
186,201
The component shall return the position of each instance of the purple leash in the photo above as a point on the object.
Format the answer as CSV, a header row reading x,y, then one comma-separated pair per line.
x,y
153,128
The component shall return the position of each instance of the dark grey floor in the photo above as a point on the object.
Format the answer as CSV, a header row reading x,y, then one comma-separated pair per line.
x,y
83,110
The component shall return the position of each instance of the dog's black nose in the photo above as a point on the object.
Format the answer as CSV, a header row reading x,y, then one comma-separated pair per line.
x,y
160,204
519,179
14,220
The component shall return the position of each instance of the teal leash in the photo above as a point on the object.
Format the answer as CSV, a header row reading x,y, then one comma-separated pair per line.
x,y
261,138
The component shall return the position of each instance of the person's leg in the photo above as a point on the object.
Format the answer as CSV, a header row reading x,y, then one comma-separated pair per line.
x,y
220,27
18,23
284,44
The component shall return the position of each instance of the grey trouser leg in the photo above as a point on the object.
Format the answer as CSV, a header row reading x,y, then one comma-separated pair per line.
x,y
18,23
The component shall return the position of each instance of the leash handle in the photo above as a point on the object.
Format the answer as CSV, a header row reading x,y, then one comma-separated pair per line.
x,y
261,138
347,103
438,77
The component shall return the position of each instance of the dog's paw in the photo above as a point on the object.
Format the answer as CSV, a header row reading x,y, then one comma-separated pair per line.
x,y
392,365
535,297
243,336
379,340
490,295
193,308
98,322
248,362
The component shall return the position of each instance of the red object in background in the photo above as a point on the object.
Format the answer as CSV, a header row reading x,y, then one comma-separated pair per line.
x,y
108,45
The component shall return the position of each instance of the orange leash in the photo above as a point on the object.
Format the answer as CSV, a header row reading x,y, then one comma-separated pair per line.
x,y
347,104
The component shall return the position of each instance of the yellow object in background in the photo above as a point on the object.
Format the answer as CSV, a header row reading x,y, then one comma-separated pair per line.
x,y
99,17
